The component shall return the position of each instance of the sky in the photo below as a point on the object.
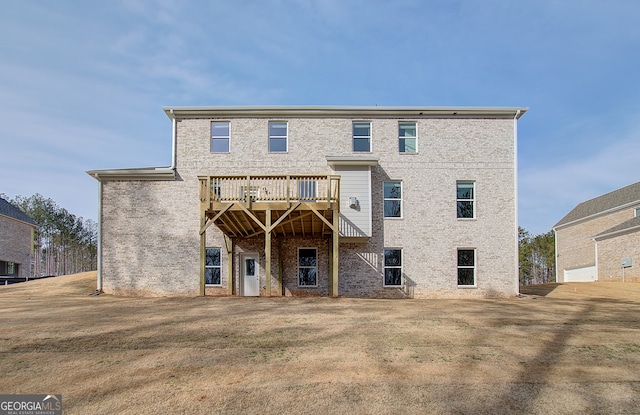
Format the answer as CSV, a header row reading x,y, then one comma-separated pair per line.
x,y
83,83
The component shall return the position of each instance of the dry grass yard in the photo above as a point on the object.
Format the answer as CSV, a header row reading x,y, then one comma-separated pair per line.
x,y
562,349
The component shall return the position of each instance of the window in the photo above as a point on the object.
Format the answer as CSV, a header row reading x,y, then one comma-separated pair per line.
x,y
220,136
9,269
307,267
362,137
392,199
466,267
392,267
407,137
466,200
637,212
212,267
277,136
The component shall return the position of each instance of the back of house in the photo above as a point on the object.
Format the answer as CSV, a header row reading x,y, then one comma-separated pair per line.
x,y
385,202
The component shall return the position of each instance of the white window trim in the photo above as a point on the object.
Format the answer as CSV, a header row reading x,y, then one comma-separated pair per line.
x,y
474,267
407,122
286,137
214,266
401,200
636,212
211,138
473,200
298,267
353,149
401,267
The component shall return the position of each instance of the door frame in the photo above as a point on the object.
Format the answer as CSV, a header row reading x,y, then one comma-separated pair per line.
x,y
243,257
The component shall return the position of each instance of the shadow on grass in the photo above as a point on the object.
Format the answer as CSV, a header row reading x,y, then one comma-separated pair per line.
x,y
539,289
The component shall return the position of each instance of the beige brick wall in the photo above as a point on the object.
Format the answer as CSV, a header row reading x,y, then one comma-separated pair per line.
x,y
150,235
16,244
611,251
150,239
574,246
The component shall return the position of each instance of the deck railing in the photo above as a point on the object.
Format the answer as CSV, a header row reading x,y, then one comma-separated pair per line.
x,y
250,189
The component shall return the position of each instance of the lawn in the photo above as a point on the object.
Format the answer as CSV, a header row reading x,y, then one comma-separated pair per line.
x,y
561,349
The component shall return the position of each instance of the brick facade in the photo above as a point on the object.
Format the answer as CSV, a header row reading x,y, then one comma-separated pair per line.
x,y
16,244
600,233
575,245
150,237
612,250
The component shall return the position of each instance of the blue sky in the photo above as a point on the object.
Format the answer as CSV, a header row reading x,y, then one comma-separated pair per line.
x,y
82,83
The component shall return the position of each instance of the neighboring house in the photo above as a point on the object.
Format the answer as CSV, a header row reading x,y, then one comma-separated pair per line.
x,y
600,239
388,202
16,241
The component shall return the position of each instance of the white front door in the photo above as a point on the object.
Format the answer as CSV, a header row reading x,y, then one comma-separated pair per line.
x,y
250,276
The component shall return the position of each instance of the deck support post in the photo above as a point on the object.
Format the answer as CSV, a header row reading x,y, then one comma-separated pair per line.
x,y
229,244
335,244
203,242
267,252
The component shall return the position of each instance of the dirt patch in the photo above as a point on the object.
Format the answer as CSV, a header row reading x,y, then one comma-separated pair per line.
x,y
567,351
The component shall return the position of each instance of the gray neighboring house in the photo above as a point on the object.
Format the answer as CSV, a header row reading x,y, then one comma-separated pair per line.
x,y
599,240
16,241
384,202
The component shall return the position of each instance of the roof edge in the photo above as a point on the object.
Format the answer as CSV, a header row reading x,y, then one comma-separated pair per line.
x,y
561,225
351,161
607,234
33,225
342,111
145,173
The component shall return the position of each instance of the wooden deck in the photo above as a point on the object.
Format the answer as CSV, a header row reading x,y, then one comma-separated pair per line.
x,y
273,205
300,205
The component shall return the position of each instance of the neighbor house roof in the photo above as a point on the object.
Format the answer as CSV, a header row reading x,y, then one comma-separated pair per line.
x,y
343,111
621,198
7,209
631,225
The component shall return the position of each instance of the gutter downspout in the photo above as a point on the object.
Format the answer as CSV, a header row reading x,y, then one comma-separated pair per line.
x,y
174,134
99,240
595,244
515,186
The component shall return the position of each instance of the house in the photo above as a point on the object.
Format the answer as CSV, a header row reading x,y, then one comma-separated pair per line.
x,y
16,241
599,240
385,202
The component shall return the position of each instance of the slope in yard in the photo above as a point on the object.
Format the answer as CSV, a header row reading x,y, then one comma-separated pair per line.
x,y
559,351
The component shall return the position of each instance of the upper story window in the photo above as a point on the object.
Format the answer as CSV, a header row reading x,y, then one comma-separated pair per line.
x,y
637,212
408,137
212,267
278,136
392,199
465,200
220,136
362,137
466,267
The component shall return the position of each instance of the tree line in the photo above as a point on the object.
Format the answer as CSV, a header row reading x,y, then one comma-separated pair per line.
x,y
537,257
64,243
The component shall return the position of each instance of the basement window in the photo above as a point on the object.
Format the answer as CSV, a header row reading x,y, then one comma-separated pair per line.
x,y
307,267
393,267
466,267
212,267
